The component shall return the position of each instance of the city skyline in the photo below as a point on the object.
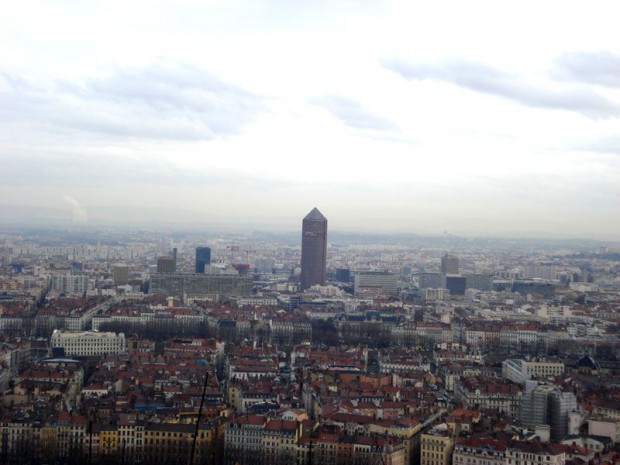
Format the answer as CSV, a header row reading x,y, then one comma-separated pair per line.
x,y
116,350
425,117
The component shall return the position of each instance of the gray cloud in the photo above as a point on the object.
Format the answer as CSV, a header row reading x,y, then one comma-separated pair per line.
x,y
157,102
353,114
100,170
484,79
601,68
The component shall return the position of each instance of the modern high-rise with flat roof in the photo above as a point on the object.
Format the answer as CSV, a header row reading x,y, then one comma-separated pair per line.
x,y
203,257
375,282
120,274
449,264
165,264
313,249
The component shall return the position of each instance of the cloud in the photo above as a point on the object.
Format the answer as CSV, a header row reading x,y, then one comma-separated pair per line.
x,y
353,114
79,214
487,80
606,144
161,101
601,68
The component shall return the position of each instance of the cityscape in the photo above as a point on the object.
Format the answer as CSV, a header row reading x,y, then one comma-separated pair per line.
x,y
144,347
268,232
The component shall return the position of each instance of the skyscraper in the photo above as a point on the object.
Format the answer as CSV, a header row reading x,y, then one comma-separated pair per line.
x,y
313,249
203,257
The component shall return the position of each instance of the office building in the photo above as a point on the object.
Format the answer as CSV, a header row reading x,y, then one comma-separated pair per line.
x,y
264,265
455,284
543,290
165,264
430,280
343,275
372,283
479,281
214,286
120,274
449,264
313,249
203,257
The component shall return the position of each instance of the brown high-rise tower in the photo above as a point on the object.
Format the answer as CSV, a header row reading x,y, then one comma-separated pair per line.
x,y
313,249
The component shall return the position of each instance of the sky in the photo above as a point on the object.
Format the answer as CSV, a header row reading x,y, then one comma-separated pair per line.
x,y
475,118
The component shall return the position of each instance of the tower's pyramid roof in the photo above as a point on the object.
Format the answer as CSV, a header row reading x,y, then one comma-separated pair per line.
x,y
315,215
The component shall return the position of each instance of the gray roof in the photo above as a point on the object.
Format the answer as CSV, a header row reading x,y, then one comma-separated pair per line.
x,y
315,215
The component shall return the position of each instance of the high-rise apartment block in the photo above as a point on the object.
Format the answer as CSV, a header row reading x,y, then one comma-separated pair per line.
x,y
70,284
203,258
449,264
313,249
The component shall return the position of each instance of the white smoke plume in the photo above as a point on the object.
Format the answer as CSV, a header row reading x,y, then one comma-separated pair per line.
x,y
79,214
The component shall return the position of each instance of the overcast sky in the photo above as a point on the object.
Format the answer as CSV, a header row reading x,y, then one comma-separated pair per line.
x,y
471,117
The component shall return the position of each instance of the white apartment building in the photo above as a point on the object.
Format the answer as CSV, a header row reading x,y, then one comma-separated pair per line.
x,y
88,343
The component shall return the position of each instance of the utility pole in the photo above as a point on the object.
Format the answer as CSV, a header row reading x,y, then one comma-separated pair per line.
x,y
202,401
90,442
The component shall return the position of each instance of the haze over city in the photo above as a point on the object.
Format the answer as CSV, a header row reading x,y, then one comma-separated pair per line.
x,y
475,118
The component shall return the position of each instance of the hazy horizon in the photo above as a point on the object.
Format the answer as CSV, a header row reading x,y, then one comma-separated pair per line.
x,y
285,231
478,118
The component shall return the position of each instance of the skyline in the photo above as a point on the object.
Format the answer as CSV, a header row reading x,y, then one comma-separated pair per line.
x,y
485,119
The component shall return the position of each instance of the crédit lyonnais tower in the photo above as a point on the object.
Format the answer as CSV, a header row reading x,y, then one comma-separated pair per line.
x,y
313,249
